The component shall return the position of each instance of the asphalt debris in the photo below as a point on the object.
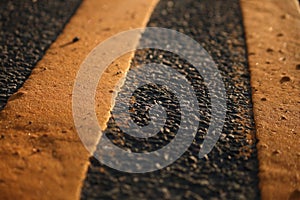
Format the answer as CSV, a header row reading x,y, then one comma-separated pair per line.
x,y
75,39
285,79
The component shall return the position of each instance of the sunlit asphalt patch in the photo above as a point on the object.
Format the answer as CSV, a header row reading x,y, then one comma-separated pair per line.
x,y
156,74
230,170
27,29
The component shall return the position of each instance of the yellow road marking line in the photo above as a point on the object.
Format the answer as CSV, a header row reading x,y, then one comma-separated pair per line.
x,y
41,155
273,32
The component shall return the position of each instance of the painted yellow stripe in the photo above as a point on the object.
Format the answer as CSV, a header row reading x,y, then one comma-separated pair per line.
x,y
41,155
273,32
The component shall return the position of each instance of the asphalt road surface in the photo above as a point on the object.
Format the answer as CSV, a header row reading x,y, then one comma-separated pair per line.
x,y
27,29
230,170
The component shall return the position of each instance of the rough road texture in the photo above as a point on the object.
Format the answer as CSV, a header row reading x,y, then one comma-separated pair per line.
x,y
27,29
230,170
41,154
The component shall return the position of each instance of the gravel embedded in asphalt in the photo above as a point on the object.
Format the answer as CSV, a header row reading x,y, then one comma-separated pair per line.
x,y
27,29
230,171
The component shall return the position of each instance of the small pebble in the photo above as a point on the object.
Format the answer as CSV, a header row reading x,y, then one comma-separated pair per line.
x,y
279,35
263,99
277,152
283,117
282,59
34,150
75,39
285,79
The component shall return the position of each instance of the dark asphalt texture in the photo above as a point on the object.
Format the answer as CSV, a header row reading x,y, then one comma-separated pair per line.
x,y
230,171
27,28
